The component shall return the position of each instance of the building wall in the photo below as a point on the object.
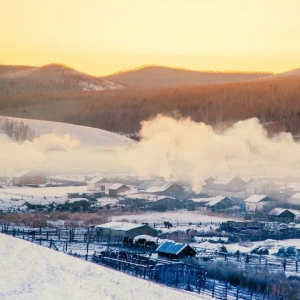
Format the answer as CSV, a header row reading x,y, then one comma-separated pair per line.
x,y
39,179
260,205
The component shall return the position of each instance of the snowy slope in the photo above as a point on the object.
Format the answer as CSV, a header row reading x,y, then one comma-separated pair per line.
x,y
89,137
31,272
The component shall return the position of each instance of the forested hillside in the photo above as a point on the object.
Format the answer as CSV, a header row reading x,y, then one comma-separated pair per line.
x,y
275,101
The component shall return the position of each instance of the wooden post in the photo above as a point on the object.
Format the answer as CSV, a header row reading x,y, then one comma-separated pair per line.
x,y
47,235
296,266
213,290
237,293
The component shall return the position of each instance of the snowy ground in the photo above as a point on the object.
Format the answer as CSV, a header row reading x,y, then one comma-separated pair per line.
x,y
180,216
15,197
89,137
29,271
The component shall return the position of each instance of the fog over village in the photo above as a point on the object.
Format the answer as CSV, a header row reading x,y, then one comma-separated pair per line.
x,y
150,150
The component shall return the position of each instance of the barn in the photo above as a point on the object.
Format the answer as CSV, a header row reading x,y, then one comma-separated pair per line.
x,y
282,215
259,202
124,230
117,188
174,250
28,177
98,184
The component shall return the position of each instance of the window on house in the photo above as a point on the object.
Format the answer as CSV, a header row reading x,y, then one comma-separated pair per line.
x,y
32,180
102,187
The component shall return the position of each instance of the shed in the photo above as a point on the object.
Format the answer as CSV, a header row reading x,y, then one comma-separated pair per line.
x,y
175,250
28,177
117,188
99,184
124,230
259,202
282,215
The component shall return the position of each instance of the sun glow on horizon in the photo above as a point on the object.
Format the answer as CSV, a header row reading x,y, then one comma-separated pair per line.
x,y
103,37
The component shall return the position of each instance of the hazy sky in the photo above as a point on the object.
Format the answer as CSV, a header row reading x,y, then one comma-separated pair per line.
x,y
104,36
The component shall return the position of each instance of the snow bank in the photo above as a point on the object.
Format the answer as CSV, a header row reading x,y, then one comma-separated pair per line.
x,y
32,272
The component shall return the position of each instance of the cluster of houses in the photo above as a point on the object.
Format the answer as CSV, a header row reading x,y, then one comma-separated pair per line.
x,y
251,196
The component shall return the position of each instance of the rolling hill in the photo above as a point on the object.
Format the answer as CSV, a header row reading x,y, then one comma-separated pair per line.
x,y
48,79
158,76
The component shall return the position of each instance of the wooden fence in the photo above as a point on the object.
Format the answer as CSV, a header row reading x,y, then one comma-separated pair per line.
x,y
178,275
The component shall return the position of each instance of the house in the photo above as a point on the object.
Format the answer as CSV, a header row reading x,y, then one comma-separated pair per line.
x,y
170,189
219,202
174,250
282,215
259,202
28,177
231,183
123,230
292,188
99,184
262,186
295,199
208,183
213,203
116,189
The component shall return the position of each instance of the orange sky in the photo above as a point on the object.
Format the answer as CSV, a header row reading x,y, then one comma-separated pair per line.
x,y
104,36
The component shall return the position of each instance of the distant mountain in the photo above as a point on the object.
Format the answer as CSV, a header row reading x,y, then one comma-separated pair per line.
x,y
47,79
157,76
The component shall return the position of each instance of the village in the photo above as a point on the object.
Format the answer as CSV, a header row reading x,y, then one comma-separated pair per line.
x,y
233,220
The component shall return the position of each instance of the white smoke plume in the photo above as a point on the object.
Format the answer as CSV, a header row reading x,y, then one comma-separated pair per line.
x,y
181,148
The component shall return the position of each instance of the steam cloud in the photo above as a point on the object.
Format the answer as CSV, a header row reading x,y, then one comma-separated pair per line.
x,y
181,148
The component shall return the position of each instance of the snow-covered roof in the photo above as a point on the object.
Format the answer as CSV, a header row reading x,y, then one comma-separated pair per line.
x,y
22,173
162,188
96,179
296,196
216,200
260,183
293,185
116,186
147,196
120,226
171,247
147,184
223,180
256,198
279,211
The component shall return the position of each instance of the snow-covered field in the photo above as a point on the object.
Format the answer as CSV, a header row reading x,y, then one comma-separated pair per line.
x,y
31,272
180,216
89,137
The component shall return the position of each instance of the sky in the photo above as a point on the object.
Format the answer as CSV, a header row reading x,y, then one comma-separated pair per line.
x,y
102,37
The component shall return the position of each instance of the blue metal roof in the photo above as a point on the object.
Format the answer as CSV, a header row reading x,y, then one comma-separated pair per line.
x,y
171,247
